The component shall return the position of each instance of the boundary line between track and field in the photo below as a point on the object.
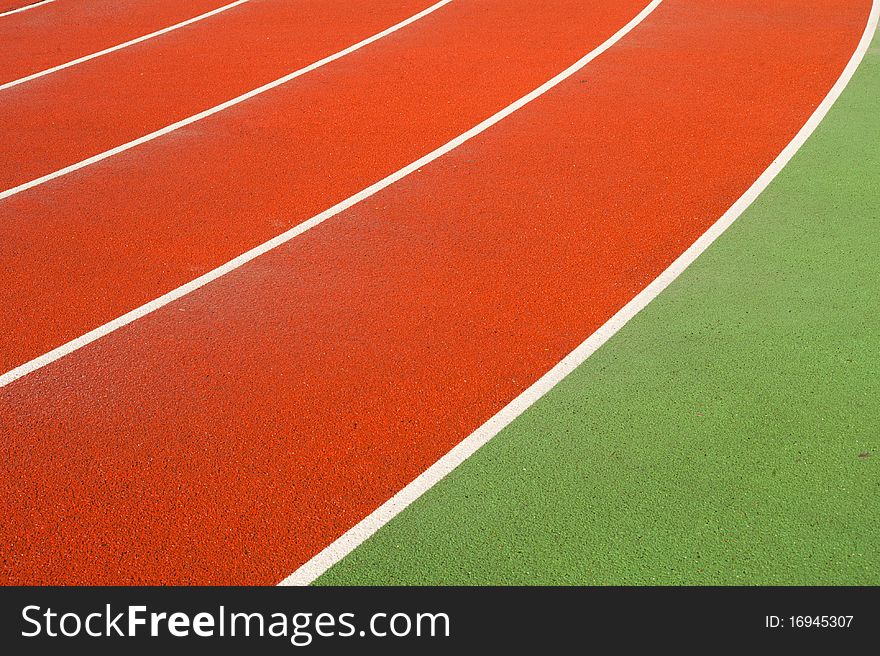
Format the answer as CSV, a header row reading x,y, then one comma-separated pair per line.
x,y
131,42
109,327
354,537
218,108
25,8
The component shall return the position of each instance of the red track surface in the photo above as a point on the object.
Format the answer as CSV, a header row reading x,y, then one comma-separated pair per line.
x,y
175,208
52,34
232,434
17,4
98,105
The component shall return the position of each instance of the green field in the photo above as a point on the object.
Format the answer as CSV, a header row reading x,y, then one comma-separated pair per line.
x,y
730,434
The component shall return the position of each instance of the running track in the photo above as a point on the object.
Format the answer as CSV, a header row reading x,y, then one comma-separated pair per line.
x,y
233,433
97,105
49,35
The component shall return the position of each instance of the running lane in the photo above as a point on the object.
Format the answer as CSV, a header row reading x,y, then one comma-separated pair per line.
x,y
49,35
230,435
84,249
9,6
95,106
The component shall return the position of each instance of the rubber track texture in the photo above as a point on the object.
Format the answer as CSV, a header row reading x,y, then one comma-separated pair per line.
x,y
232,434
172,209
76,113
58,32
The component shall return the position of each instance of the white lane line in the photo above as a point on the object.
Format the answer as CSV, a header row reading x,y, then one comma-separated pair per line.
x,y
107,51
25,8
244,258
368,526
219,108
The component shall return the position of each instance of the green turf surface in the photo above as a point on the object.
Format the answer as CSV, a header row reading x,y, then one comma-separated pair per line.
x,y
730,434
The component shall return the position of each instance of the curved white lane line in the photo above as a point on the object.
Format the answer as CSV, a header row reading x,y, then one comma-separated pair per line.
x,y
107,51
284,237
25,8
364,529
219,108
